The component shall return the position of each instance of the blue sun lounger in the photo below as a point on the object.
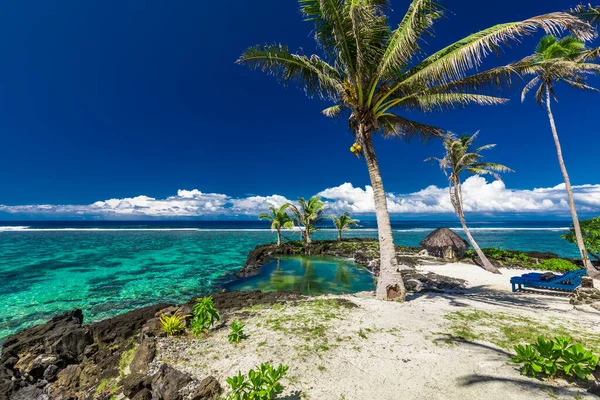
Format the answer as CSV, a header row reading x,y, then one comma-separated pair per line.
x,y
567,282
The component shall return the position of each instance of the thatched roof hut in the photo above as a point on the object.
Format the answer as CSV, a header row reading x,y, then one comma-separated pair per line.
x,y
445,244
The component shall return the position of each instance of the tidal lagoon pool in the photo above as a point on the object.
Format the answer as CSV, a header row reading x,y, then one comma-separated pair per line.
x,y
311,275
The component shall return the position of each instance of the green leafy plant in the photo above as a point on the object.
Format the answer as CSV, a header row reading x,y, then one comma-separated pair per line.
x,y
578,361
549,357
205,315
236,334
559,265
530,358
590,231
173,324
260,384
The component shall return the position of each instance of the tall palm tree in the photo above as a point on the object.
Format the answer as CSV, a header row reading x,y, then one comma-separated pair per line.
x,y
308,214
279,219
461,157
566,60
343,223
369,70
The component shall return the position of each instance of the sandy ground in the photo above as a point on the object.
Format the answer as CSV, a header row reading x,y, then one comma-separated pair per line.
x,y
382,350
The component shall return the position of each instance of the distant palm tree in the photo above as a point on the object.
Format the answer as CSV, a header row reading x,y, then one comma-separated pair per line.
x,y
369,70
343,223
308,214
566,60
460,157
279,220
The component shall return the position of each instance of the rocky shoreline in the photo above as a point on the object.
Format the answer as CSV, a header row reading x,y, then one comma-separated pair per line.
x,y
66,360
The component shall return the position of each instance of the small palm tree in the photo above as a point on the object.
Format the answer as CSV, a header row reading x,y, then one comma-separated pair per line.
x,y
460,157
279,220
373,73
343,223
566,60
308,214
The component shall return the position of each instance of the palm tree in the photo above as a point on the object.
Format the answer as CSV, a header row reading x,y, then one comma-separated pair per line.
x,y
279,220
308,214
369,70
566,60
343,223
460,157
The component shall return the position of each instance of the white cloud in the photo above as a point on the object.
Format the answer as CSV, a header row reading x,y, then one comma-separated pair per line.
x,y
480,196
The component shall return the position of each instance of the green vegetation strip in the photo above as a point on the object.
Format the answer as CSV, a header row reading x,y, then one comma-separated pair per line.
x,y
507,330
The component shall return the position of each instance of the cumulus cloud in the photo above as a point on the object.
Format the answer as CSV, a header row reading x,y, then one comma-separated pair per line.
x,y
480,196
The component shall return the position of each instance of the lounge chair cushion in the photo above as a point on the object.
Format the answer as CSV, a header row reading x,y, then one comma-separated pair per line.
x,y
548,276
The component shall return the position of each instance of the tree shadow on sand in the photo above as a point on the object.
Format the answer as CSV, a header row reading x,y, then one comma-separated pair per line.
x,y
448,338
524,383
297,395
520,300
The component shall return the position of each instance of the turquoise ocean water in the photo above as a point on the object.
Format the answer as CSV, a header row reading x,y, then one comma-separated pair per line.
x,y
107,268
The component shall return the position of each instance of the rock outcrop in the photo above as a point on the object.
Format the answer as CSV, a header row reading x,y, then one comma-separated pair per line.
x,y
64,358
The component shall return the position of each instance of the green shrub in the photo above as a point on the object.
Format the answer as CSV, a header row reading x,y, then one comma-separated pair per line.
x,y
205,315
173,324
236,334
558,264
261,384
548,357
517,257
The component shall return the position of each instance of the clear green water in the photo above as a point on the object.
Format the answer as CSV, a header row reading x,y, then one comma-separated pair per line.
x,y
309,275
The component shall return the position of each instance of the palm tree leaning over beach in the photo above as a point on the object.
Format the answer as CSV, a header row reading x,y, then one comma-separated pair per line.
x,y
308,214
279,220
460,157
566,60
369,71
343,223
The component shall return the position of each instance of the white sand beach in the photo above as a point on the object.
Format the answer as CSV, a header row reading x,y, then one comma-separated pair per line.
x,y
435,346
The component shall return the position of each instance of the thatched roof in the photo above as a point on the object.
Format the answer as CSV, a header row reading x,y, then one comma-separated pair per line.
x,y
444,237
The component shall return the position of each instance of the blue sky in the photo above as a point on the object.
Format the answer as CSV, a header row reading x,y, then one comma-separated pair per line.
x,y
113,100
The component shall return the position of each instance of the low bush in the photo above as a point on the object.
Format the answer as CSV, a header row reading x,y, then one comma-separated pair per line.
x,y
549,357
260,384
173,324
205,315
236,334
558,265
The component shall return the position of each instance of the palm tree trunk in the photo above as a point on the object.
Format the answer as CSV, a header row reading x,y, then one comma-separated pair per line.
x,y
307,238
592,271
390,285
457,202
339,235
278,237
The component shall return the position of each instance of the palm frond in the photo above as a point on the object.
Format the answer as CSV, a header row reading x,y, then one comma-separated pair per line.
x,y
587,13
492,167
395,126
579,85
333,29
589,55
530,85
370,30
447,101
404,41
315,75
333,111
455,60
